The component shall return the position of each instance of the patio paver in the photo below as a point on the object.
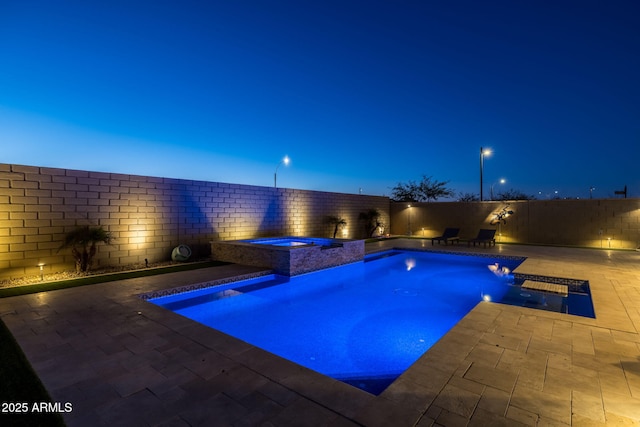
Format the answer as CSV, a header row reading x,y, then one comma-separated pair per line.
x,y
122,361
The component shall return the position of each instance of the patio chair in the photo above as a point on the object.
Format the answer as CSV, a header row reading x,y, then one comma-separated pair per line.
x,y
485,236
449,235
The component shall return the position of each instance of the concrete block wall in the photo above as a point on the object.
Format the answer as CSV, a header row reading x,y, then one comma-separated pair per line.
x,y
594,223
149,216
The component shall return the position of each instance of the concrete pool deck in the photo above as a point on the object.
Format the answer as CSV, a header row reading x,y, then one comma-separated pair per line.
x,y
122,361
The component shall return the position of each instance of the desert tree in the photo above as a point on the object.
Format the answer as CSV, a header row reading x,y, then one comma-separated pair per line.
x,y
468,197
514,195
426,190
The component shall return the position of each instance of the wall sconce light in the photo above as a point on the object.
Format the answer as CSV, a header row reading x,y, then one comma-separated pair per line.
x,y
501,216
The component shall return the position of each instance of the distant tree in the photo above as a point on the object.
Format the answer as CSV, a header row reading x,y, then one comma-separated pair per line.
x,y
371,221
337,223
432,190
514,195
405,192
468,197
424,191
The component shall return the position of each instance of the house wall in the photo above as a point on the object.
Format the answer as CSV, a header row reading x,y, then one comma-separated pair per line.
x,y
593,223
149,216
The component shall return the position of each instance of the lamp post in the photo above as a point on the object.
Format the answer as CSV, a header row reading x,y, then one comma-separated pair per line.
x,y
284,161
483,153
502,181
409,221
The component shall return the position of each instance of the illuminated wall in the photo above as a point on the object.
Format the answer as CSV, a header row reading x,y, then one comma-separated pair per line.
x,y
594,223
149,216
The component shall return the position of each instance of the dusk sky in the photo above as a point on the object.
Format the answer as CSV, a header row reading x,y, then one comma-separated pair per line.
x,y
359,94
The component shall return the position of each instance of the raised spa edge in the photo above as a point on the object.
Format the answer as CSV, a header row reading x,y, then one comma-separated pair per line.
x,y
289,255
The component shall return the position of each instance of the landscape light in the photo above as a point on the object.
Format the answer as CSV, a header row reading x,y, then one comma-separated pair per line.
x,y
41,265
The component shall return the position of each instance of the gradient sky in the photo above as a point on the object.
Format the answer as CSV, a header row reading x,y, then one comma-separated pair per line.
x,y
359,94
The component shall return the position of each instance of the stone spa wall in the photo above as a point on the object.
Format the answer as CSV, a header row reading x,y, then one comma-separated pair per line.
x,y
149,216
290,260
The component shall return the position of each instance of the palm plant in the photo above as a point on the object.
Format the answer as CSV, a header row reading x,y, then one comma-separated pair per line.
x,y
82,241
371,220
337,222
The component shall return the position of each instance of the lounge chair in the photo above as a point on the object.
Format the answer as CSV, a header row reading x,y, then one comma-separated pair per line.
x,y
449,235
484,236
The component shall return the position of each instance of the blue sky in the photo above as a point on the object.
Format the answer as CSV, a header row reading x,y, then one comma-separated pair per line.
x,y
359,94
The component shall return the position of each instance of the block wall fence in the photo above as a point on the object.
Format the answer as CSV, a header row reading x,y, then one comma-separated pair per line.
x,y
597,223
149,216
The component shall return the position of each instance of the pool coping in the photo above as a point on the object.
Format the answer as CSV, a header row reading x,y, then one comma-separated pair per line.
x,y
111,354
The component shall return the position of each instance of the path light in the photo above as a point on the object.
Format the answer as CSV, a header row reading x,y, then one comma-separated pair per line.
x,y
41,265
284,161
502,181
483,152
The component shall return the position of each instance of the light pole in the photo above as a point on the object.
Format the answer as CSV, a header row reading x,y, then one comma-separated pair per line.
x,y
284,161
502,181
483,153
409,221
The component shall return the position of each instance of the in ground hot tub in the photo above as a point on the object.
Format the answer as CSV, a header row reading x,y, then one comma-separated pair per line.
x,y
290,255
292,241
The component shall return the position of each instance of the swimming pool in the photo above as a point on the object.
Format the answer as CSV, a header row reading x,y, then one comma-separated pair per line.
x,y
362,323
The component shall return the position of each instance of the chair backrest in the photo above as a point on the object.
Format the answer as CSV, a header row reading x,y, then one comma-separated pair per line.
x,y
450,232
486,234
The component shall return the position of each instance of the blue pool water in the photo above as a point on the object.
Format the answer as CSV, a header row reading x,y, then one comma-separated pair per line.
x,y
291,241
362,323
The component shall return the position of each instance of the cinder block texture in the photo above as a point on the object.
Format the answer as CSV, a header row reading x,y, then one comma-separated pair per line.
x,y
596,223
149,216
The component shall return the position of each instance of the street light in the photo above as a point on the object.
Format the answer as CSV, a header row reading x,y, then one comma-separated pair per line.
x,y
483,153
502,181
284,161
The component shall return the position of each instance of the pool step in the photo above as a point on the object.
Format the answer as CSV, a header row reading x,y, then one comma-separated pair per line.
x,y
546,287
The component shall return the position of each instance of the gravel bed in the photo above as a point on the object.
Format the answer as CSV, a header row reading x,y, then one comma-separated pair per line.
x,y
66,275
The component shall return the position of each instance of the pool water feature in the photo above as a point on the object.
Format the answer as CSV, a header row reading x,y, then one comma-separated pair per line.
x,y
362,323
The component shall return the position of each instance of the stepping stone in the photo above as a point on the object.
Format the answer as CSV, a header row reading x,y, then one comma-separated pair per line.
x,y
546,287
